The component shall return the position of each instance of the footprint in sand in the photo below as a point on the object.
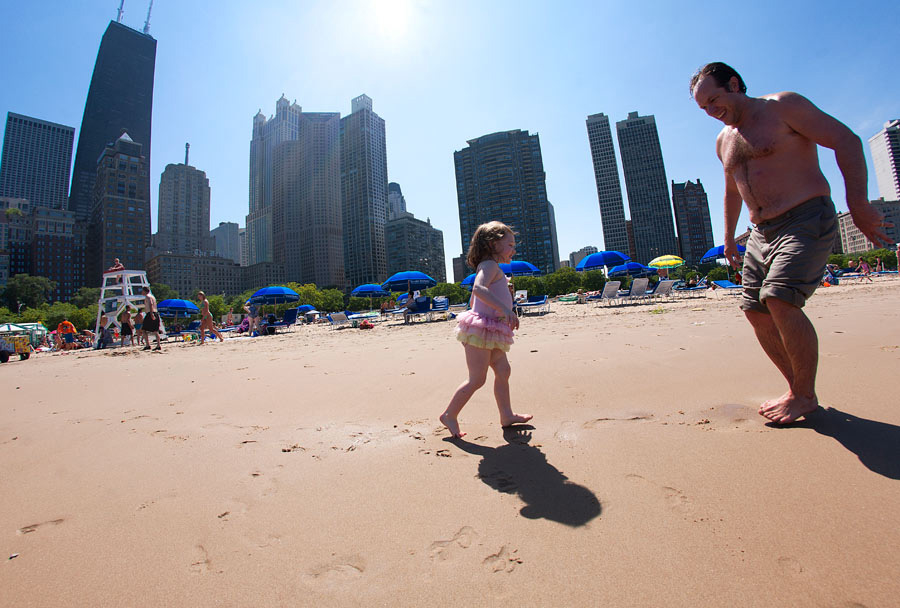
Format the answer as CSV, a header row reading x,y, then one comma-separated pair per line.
x,y
567,433
730,416
504,560
339,570
789,565
201,562
674,498
34,527
619,417
442,550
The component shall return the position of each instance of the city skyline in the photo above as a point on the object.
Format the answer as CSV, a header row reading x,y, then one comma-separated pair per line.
x,y
52,51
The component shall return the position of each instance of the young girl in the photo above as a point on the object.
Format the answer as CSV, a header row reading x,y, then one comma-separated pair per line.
x,y
486,331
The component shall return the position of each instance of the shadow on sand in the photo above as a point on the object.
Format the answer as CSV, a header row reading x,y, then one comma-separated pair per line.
x,y
876,444
522,469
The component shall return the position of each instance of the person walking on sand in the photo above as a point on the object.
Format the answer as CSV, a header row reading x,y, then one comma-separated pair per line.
x,y
486,331
150,324
206,320
768,150
865,270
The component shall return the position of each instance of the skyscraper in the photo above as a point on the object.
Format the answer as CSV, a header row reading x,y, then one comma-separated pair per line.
x,y
501,177
284,126
119,99
227,241
695,236
183,210
885,146
306,202
396,202
364,192
609,190
120,216
37,155
649,206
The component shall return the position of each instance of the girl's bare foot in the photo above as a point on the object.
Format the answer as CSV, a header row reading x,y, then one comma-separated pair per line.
x,y
515,419
452,425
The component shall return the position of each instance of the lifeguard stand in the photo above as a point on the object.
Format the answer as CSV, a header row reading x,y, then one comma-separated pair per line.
x,y
121,289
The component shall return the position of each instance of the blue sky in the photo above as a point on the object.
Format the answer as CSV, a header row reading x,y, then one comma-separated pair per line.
x,y
443,72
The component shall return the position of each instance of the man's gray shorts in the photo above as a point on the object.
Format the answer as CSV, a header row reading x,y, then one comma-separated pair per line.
x,y
786,255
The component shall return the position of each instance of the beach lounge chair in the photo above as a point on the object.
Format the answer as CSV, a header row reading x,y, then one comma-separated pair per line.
x,y
728,286
638,291
534,304
609,294
338,319
439,306
288,320
662,290
421,307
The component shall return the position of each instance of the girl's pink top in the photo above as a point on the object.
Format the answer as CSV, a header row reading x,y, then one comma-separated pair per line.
x,y
500,290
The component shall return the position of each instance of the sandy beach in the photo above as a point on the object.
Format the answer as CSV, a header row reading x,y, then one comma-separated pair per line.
x,y
309,468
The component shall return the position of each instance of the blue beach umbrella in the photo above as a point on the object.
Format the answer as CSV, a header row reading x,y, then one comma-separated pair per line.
x,y
520,268
174,307
598,260
718,252
468,282
274,294
369,290
632,269
415,279
305,308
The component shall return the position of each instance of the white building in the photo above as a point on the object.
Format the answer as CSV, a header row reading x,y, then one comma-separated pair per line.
x,y
885,146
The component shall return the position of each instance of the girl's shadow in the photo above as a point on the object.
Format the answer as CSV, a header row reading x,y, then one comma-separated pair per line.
x,y
522,469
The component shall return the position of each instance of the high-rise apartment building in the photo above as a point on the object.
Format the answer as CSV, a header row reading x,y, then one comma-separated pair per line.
x,y
364,193
183,210
695,236
609,190
15,237
577,256
283,126
120,217
852,240
227,241
396,202
649,206
885,147
120,99
245,249
412,244
306,202
501,177
37,155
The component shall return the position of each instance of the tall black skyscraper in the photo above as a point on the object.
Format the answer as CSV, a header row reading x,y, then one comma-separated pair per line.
x,y
120,99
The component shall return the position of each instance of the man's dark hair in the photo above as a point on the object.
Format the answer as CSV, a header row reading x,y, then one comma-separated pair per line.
x,y
722,72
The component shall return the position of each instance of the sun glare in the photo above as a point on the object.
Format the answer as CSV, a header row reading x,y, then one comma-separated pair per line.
x,y
392,18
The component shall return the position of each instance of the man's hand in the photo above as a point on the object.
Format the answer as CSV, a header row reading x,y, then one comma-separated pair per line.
x,y
871,223
731,253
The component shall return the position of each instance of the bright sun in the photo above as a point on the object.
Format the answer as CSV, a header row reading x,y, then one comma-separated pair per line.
x,y
392,19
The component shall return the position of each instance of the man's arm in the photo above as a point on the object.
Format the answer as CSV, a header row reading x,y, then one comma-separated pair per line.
x,y
809,121
733,202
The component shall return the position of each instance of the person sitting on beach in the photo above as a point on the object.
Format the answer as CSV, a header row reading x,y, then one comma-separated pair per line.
x,y
206,320
486,331
229,320
851,268
386,306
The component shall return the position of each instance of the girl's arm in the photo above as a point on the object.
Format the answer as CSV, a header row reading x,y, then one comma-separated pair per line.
x,y
485,275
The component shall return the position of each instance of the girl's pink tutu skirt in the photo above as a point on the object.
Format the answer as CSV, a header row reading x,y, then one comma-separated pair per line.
x,y
483,332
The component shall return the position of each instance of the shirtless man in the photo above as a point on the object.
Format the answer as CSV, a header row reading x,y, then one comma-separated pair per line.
x,y
768,150
206,320
150,324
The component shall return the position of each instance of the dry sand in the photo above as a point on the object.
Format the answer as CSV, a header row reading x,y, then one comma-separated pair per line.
x,y
309,469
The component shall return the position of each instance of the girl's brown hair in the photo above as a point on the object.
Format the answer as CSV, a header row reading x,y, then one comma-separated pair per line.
x,y
481,247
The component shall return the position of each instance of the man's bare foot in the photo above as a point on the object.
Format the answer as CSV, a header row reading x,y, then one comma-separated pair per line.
x,y
452,425
515,419
788,408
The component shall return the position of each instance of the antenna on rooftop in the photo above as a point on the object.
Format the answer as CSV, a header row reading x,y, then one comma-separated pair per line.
x,y
147,22
119,16
187,149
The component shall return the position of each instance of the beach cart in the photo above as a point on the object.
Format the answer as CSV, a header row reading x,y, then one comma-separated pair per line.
x,y
14,344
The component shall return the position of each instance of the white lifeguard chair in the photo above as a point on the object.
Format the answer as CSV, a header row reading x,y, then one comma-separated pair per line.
x,y
121,289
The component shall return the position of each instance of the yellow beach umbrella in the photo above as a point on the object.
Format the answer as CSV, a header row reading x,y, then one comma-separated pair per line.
x,y
666,261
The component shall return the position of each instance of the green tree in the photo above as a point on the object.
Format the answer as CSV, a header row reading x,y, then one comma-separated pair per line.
x,y
332,300
593,280
718,273
59,311
163,292
84,318
36,315
7,316
356,304
533,285
565,280
86,296
27,290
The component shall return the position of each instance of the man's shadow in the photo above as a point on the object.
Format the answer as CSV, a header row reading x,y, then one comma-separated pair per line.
x,y
522,469
877,444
